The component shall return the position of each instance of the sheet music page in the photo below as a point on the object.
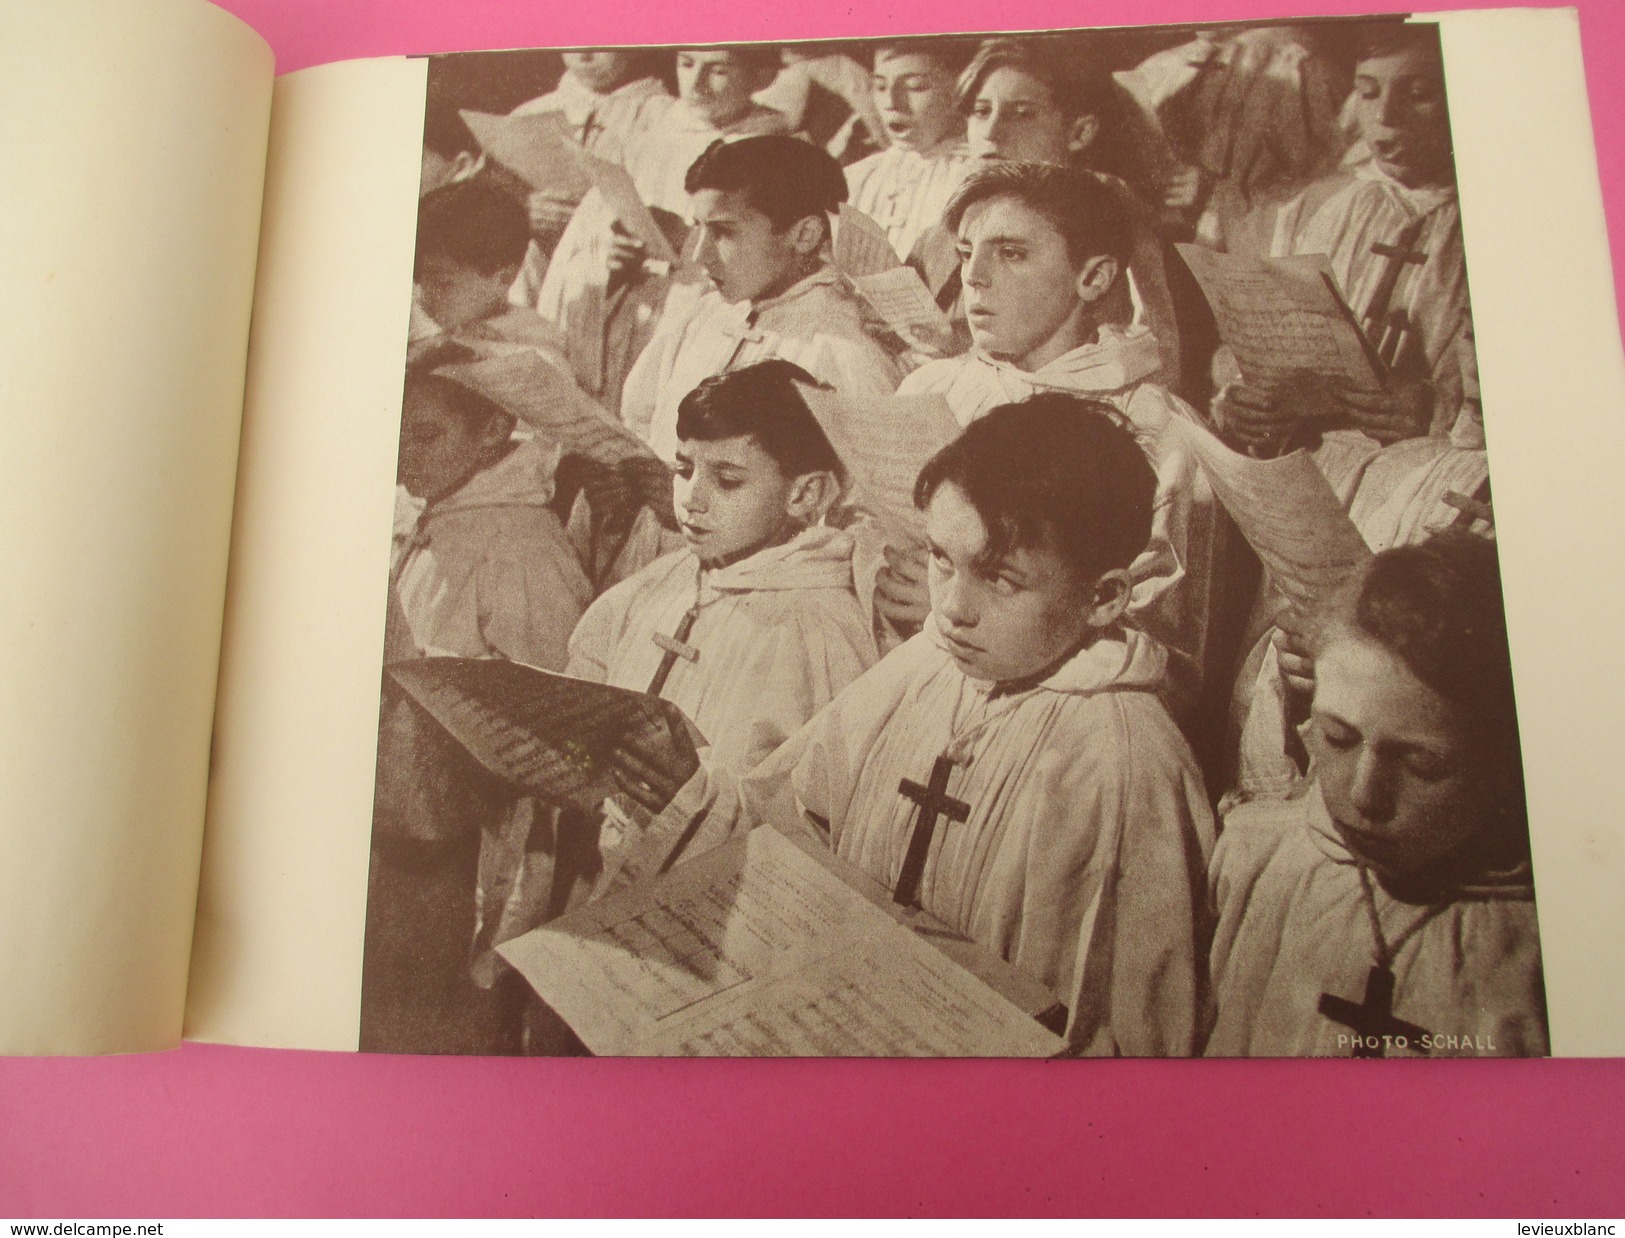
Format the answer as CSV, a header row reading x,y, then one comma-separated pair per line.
x,y
539,394
900,297
551,734
884,443
537,148
1281,316
861,246
615,183
1290,516
757,949
936,256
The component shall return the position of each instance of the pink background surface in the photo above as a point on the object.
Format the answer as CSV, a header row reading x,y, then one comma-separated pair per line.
x,y
213,1131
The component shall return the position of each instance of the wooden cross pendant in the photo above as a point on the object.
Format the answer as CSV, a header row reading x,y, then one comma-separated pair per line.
x,y
1401,252
1372,1020
674,648
933,802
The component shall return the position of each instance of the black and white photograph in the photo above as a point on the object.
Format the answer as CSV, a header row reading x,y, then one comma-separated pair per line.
x,y
951,546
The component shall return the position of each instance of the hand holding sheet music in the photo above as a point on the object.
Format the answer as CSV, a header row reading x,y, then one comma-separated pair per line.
x,y
545,398
1283,317
537,148
884,443
572,742
1290,516
903,301
758,949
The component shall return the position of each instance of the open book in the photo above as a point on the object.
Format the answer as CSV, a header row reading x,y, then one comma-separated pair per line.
x,y
207,293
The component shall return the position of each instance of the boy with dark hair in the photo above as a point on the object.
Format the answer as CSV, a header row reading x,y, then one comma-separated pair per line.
x,y
1046,100
1011,769
471,241
472,237
750,629
762,207
760,602
450,153
1042,249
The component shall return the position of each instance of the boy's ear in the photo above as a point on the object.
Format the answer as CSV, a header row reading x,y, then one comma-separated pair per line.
x,y
1096,277
811,497
1108,598
806,235
1084,130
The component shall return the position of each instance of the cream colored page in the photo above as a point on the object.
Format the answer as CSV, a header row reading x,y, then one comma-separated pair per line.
x,y
1554,412
281,912
132,151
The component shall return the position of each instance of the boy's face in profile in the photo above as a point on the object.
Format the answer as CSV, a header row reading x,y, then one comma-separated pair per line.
x,y
1005,620
1023,299
1399,111
730,496
458,296
745,256
600,72
441,450
716,86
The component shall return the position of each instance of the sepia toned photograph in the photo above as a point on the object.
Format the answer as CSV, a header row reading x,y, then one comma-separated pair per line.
x,y
948,546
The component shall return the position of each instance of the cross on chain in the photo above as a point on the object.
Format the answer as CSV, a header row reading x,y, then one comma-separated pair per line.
x,y
1372,1019
933,801
674,648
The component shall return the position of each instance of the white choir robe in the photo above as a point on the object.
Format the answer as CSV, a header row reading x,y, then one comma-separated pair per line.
x,y
660,154
1174,579
905,191
604,332
488,571
1255,110
1293,924
818,323
604,125
484,573
1343,217
1395,495
778,633
1081,859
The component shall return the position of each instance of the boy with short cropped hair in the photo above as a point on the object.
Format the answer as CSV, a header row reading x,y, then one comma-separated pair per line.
x,y
759,612
762,206
1011,769
1043,250
750,629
